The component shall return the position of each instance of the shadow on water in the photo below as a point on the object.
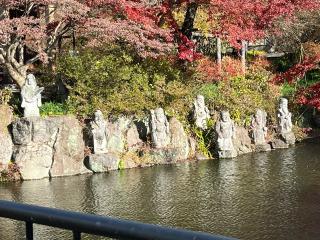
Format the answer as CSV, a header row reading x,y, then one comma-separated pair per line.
x,y
273,195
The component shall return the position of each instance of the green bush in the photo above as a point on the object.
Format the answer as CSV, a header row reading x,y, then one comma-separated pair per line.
x,y
117,82
243,95
53,109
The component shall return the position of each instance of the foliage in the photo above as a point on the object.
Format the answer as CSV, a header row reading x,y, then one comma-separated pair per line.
x,y
12,173
207,70
53,109
242,95
5,96
118,82
204,139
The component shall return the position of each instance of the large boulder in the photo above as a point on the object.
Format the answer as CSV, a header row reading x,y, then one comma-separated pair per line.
x,y
5,136
68,156
48,147
180,145
103,162
116,130
242,141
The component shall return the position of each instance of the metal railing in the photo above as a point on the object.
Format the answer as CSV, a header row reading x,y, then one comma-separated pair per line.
x,y
95,225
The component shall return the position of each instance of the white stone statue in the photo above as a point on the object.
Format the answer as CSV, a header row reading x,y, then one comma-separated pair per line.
x,y
31,97
225,129
98,128
200,113
259,127
285,122
160,133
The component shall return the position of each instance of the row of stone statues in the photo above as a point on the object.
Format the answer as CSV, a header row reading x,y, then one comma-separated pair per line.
x,y
160,134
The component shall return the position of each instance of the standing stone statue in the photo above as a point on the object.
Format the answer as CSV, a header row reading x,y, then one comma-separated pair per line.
x,y
31,97
200,113
98,128
225,129
285,122
259,130
160,133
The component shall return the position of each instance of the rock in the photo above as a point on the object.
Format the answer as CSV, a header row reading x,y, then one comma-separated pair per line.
x,y
5,136
116,130
179,141
133,138
262,148
242,141
289,138
68,156
34,160
279,144
48,147
103,162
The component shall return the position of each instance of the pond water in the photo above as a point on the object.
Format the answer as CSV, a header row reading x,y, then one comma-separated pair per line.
x,y
273,195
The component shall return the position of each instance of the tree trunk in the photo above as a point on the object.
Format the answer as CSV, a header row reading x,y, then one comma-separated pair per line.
x,y
189,18
19,77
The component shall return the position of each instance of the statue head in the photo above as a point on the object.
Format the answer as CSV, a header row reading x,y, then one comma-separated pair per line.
x,y
225,116
200,100
98,116
283,103
259,115
31,80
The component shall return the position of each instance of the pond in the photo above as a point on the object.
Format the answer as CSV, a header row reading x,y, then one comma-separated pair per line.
x,y
273,195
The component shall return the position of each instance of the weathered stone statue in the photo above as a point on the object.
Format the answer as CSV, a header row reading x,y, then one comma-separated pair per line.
x,y
98,128
160,133
225,129
259,130
200,112
31,97
285,122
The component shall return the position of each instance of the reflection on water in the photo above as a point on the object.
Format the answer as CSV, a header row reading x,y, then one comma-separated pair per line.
x,y
273,195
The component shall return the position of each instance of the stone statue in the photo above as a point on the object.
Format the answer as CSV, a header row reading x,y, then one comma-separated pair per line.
x,y
98,128
285,122
160,133
259,131
258,126
31,97
225,129
200,113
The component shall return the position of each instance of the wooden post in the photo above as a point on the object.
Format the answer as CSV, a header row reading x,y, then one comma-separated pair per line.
x,y
243,55
219,54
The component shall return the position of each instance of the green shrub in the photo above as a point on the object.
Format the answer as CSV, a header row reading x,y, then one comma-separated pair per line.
x,y
243,95
117,82
53,109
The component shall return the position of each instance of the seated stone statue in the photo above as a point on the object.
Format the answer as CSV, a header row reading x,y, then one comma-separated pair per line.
x,y
31,97
200,112
160,133
225,130
259,130
285,122
98,128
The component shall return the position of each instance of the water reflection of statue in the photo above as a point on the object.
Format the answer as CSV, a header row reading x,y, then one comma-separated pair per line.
x,y
259,129
225,129
200,112
31,97
98,128
160,133
285,122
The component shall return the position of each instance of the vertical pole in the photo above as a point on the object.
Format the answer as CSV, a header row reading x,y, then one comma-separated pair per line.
x,y
219,54
243,55
76,235
29,231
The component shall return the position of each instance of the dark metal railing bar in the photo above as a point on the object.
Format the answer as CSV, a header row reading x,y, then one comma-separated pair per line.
x,y
29,230
97,225
76,235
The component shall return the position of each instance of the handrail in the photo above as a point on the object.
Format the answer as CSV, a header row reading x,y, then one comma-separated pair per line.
x,y
96,225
